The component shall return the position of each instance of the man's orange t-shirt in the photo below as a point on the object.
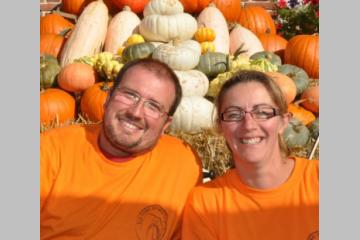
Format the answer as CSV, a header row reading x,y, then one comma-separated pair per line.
x,y
228,209
84,195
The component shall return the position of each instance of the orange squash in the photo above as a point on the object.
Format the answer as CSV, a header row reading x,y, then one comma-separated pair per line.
x,y
303,51
257,20
52,44
74,6
137,6
310,99
54,23
273,43
76,77
286,85
301,113
93,99
56,106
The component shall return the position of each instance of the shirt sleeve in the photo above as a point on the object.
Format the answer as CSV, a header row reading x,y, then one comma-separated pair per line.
x,y
196,221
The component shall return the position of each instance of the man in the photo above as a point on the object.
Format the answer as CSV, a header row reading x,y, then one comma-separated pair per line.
x,y
122,179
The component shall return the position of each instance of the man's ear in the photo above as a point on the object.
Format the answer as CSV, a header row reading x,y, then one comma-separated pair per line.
x,y
167,124
106,102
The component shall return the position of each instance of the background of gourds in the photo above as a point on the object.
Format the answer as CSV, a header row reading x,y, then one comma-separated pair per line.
x,y
205,44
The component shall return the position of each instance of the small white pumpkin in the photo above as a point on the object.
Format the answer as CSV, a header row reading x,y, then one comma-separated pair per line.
x,y
163,7
89,34
121,27
193,82
241,35
193,114
212,17
163,28
179,55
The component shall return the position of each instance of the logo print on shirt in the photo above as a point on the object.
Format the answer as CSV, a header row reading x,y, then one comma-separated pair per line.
x,y
314,236
151,223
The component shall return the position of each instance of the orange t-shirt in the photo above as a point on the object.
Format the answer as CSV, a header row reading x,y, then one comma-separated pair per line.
x,y
228,209
84,195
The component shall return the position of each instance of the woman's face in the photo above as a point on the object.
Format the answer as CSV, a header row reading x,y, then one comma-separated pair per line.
x,y
252,140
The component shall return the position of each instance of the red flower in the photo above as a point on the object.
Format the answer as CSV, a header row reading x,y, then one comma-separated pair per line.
x,y
281,3
306,1
314,2
278,25
318,13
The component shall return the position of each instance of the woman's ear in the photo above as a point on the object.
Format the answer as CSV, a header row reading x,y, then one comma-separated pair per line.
x,y
285,121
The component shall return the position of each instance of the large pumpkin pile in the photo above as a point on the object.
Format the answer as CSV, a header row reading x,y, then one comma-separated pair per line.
x,y
206,44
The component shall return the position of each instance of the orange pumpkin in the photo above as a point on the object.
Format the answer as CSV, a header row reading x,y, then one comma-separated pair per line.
x,y
76,77
137,6
273,43
303,51
54,23
51,43
74,6
286,85
56,106
229,8
194,6
93,99
256,19
301,113
310,99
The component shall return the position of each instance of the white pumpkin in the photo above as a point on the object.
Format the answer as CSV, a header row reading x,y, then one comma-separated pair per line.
x,y
163,7
212,17
193,82
179,55
121,27
241,35
163,28
89,34
193,114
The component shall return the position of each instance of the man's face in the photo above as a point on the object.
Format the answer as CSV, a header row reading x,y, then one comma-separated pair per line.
x,y
130,128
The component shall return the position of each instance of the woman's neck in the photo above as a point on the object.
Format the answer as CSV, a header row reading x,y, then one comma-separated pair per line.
x,y
268,175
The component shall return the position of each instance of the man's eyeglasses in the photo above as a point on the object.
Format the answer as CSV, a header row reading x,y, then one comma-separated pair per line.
x,y
259,114
130,98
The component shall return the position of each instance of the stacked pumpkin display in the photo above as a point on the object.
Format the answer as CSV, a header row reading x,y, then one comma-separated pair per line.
x,y
206,45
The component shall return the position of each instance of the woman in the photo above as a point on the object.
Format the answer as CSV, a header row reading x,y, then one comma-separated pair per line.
x,y
268,195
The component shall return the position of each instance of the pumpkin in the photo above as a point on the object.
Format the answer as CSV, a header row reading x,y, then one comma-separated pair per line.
x,y
244,38
273,43
74,6
205,34
301,113
56,106
229,8
194,6
211,17
163,7
193,82
303,51
137,6
286,84
136,51
51,43
300,77
163,28
314,128
54,23
310,99
193,114
213,63
89,34
182,55
270,56
93,99
207,47
76,77
49,69
296,134
120,28
256,19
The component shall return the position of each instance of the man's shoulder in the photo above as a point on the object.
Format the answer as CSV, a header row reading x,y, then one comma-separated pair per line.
x,y
71,131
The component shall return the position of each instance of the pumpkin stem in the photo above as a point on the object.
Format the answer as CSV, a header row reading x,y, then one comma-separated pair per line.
x,y
126,8
105,86
64,32
239,51
267,30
